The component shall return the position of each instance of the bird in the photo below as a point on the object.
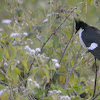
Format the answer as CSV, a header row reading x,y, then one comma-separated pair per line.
x,y
89,37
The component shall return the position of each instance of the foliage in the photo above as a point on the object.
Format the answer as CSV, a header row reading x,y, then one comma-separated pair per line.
x,y
25,70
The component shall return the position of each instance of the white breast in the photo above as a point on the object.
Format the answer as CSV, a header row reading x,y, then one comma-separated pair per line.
x,y
80,37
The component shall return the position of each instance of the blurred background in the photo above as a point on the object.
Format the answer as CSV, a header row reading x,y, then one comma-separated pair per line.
x,y
24,26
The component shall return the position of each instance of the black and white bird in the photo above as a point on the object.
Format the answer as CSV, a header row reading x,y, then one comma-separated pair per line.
x,y
89,37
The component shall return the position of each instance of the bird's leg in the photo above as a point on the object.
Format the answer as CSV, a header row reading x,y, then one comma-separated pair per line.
x,y
96,70
83,54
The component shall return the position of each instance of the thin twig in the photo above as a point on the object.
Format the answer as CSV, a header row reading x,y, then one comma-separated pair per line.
x,y
67,44
72,69
3,83
95,96
55,30
30,68
64,52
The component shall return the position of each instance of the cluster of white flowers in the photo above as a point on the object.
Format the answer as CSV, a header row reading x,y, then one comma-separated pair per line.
x,y
28,41
55,61
64,98
5,64
34,84
55,92
42,56
6,21
2,91
33,51
14,35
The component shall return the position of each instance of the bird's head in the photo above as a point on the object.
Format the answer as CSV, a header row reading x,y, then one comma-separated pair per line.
x,y
79,24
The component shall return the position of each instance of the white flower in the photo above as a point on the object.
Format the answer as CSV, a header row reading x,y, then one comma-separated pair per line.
x,y
14,43
25,34
38,55
51,92
58,92
32,51
16,21
48,15
27,48
45,21
64,98
14,35
1,29
36,84
5,64
56,13
2,91
55,92
57,65
38,50
29,80
6,21
54,60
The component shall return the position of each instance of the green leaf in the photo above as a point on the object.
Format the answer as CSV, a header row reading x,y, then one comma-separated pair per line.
x,y
42,38
53,86
15,77
29,24
77,98
47,74
6,53
4,34
89,1
19,12
56,42
25,62
63,2
1,54
13,52
17,70
67,32
35,70
71,79
48,98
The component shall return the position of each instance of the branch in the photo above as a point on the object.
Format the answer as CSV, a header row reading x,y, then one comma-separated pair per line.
x,y
67,44
95,96
3,83
72,69
55,30
30,68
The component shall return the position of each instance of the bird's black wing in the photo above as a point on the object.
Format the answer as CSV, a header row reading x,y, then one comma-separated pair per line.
x,y
92,35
